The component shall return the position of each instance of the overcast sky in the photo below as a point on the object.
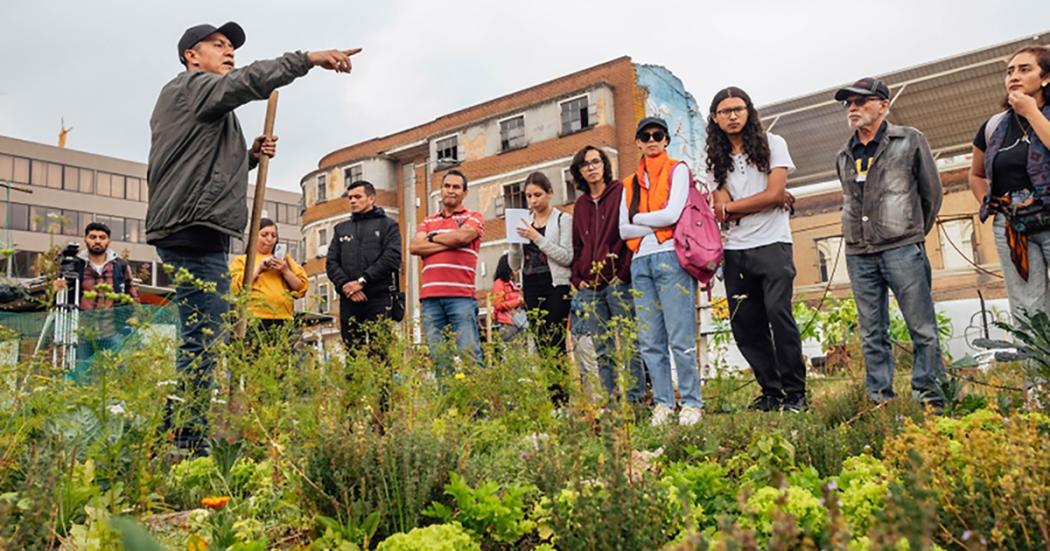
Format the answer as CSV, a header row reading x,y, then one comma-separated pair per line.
x,y
101,63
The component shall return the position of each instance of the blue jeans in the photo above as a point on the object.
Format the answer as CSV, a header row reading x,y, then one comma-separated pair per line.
x,y
201,313
906,271
592,314
455,317
665,300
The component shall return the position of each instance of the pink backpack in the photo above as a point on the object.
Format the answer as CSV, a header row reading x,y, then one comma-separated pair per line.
x,y
697,239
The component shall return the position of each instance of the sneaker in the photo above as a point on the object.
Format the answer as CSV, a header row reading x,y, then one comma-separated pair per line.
x,y
690,416
765,402
661,416
795,404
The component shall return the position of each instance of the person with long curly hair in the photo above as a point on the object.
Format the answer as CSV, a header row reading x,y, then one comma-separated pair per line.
x,y
750,168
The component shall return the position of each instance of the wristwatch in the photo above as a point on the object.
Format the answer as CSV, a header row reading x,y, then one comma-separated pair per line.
x,y
362,280
430,236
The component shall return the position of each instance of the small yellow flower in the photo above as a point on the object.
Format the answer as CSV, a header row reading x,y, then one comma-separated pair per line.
x,y
720,308
459,376
215,502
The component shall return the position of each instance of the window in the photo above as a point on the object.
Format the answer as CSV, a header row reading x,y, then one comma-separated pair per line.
x,y
322,240
117,189
7,166
21,171
570,187
83,219
104,183
352,174
70,178
322,298
144,191
512,133
133,186
70,221
575,115
19,217
45,220
322,188
135,230
270,210
514,196
448,149
87,181
957,250
54,176
831,256
38,173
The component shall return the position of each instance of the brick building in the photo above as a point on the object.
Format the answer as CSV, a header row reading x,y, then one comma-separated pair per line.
x,y
497,144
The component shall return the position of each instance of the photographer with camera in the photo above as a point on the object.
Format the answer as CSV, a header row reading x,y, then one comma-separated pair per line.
x,y
99,281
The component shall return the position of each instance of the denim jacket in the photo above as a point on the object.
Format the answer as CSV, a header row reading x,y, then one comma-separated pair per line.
x,y
900,199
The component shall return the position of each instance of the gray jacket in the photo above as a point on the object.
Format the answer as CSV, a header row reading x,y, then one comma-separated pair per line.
x,y
198,159
901,197
556,243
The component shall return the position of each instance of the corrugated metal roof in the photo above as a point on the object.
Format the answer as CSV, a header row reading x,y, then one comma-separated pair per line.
x,y
947,100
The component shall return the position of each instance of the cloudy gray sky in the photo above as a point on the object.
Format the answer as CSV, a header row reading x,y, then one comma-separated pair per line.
x,y
100,64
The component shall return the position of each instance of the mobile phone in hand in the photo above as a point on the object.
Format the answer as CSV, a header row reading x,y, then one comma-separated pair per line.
x,y
279,250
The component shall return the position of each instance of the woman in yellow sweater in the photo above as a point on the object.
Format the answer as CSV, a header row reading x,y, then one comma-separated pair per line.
x,y
276,281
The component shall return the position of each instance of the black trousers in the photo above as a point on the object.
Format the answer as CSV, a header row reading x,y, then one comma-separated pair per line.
x,y
759,285
358,322
555,304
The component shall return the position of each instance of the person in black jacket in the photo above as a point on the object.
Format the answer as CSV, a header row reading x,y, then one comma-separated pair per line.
x,y
364,259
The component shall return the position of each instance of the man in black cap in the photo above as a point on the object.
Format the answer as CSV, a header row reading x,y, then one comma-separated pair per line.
x,y
891,194
198,186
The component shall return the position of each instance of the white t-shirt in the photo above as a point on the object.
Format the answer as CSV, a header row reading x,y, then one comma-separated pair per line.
x,y
771,225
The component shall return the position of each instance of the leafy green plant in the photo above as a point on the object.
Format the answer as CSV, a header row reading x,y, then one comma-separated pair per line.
x,y
437,537
483,512
355,533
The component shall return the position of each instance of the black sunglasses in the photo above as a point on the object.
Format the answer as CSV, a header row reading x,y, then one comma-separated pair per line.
x,y
859,102
655,135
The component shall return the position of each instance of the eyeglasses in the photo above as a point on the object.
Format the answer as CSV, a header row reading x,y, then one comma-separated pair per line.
x,y
655,135
729,112
593,163
859,102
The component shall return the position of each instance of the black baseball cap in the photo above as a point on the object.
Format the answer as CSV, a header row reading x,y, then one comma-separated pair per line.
x,y
193,35
866,86
653,121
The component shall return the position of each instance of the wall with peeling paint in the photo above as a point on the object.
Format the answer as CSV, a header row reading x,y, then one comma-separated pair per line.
x,y
667,98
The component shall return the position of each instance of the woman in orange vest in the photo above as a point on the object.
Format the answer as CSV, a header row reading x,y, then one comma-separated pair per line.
x,y
665,298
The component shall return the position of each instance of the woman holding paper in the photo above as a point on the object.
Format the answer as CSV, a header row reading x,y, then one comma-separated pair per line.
x,y
544,262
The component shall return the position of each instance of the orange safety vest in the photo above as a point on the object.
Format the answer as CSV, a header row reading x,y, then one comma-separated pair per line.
x,y
651,197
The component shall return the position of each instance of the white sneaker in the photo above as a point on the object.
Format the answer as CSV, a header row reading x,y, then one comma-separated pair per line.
x,y
690,416
661,416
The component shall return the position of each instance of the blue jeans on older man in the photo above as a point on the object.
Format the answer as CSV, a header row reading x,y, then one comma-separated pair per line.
x,y
665,299
201,312
448,320
906,271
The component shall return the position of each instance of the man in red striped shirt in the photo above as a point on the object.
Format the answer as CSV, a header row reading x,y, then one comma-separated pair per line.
x,y
449,242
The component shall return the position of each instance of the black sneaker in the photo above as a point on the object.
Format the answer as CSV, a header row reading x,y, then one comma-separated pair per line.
x,y
765,402
795,404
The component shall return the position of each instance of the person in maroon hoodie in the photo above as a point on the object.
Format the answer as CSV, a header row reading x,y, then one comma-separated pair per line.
x,y
601,275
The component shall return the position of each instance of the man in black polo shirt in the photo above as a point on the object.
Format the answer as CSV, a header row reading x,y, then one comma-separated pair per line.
x,y
891,193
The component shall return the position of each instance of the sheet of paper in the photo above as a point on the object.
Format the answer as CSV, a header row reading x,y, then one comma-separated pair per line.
x,y
516,218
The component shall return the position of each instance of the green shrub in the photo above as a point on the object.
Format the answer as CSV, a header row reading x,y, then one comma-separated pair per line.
x,y
438,537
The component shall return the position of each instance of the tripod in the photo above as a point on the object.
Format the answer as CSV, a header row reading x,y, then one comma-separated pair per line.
x,y
63,321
